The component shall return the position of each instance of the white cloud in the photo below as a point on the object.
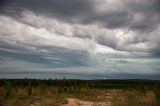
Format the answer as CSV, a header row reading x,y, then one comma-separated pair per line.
x,y
26,35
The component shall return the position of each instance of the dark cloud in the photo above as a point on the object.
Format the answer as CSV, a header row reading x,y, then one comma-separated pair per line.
x,y
101,38
146,14
62,9
156,50
84,12
110,41
111,20
142,17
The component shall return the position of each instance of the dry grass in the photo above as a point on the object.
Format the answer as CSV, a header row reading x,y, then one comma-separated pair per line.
x,y
133,98
50,97
57,96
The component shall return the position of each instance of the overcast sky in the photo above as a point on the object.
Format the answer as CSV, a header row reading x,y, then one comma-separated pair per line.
x,y
80,36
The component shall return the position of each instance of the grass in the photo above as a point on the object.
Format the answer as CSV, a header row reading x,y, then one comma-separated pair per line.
x,y
24,92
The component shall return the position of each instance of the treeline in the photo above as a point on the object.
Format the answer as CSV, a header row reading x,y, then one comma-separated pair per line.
x,y
110,84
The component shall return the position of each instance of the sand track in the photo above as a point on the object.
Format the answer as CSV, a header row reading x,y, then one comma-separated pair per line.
x,y
77,102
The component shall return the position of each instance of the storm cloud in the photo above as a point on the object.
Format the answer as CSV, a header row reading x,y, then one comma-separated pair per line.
x,y
83,33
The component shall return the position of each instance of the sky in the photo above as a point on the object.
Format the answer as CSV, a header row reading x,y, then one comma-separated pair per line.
x,y
89,37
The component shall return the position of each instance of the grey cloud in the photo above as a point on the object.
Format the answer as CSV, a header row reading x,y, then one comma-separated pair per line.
x,y
110,40
147,24
82,32
25,57
60,9
57,57
21,44
111,20
149,14
80,36
85,12
155,50
141,17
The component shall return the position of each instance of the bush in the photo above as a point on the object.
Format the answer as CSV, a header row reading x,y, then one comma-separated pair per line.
x,y
30,89
8,88
157,91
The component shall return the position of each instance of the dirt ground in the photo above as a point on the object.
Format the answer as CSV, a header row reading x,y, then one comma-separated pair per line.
x,y
77,102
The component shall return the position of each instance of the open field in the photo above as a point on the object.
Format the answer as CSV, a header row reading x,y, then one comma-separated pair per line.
x,y
31,92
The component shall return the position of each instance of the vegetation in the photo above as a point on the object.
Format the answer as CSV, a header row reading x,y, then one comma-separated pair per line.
x,y
18,92
8,88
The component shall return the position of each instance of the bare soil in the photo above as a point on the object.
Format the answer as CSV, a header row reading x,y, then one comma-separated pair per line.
x,y
77,102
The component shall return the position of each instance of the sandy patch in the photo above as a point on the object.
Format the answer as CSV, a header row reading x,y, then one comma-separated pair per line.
x,y
77,102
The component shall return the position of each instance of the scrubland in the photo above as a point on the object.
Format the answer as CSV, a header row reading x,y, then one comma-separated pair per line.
x,y
34,92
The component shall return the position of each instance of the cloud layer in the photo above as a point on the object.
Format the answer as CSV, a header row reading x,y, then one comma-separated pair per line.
x,y
71,33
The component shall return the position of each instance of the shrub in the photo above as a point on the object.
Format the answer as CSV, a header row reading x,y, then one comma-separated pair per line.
x,y
8,88
30,89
